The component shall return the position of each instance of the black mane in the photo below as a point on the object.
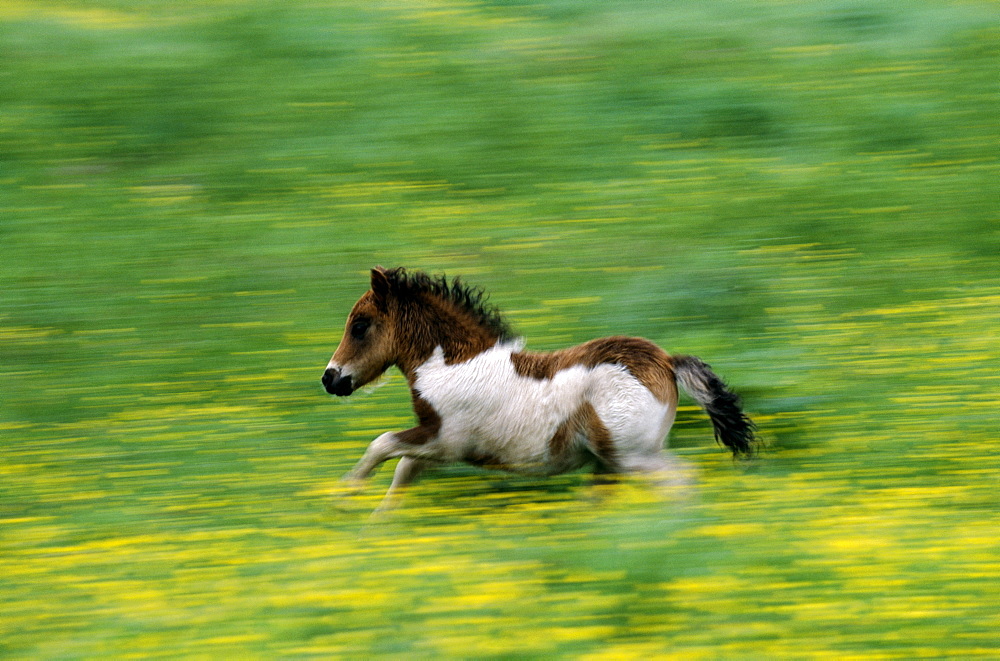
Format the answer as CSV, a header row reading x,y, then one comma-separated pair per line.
x,y
473,300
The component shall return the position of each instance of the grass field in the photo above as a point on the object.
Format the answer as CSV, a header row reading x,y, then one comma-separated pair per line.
x,y
803,194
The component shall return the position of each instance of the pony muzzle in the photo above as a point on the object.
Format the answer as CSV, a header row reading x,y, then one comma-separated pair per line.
x,y
336,382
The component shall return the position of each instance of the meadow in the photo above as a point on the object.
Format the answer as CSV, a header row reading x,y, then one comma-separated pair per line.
x,y
803,194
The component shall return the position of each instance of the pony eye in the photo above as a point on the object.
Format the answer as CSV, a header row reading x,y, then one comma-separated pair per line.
x,y
359,328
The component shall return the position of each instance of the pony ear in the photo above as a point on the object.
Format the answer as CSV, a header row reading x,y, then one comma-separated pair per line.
x,y
380,284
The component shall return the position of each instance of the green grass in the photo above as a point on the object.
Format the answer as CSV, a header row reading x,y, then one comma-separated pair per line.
x,y
803,194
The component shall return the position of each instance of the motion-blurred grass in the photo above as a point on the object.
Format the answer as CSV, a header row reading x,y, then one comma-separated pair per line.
x,y
804,194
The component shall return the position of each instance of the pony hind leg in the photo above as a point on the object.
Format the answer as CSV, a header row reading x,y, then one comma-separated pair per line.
x,y
641,453
596,438
664,469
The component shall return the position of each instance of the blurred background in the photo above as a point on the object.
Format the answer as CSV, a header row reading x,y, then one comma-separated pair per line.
x,y
191,195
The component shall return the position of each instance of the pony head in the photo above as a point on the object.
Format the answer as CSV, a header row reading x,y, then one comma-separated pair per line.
x,y
368,346
403,319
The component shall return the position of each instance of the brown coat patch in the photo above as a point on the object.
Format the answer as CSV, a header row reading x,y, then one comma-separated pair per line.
x,y
584,422
644,360
430,423
538,366
560,441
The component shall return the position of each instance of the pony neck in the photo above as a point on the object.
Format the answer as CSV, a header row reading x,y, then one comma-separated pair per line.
x,y
425,326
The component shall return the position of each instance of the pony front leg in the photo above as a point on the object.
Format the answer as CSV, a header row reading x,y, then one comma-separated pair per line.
x,y
415,447
407,470
395,444
381,449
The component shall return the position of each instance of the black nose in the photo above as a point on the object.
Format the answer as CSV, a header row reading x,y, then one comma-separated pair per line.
x,y
337,384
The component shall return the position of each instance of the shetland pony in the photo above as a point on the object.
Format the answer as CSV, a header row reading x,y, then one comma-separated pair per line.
x,y
480,398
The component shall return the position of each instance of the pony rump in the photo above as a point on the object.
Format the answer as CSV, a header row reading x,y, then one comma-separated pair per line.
x,y
732,427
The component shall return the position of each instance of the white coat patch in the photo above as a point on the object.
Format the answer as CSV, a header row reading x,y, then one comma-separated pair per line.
x,y
487,407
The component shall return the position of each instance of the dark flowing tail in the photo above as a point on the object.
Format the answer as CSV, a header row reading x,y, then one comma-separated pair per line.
x,y
732,426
